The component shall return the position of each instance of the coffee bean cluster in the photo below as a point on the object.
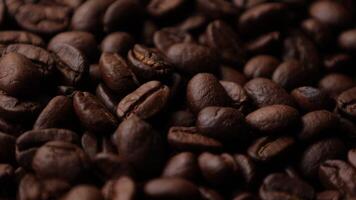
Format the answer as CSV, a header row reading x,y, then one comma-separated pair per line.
x,y
177,100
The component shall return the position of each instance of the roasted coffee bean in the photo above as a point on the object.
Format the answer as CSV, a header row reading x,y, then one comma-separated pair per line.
x,y
117,42
139,145
311,99
222,123
314,155
92,114
145,102
148,64
116,74
266,149
281,186
261,66
238,95
266,43
107,97
230,74
189,139
194,23
19,76
334,84
346,103
204,90
110,165
123,188
223,39
317,124
337,174
165,38
84,192
330,13
182,118
264,92
247,168
171,188
191,58
183,165
23,37
347,40
217,8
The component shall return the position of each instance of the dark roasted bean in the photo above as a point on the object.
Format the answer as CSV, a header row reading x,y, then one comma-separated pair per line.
x,y
183,165
310,99
117,42
346,103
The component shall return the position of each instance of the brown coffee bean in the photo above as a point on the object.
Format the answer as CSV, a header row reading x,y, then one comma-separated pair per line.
x,y
261,66
240,99
311,99
92,114
23,37
110,166
165,38
204,90
346,103
334,84
230,74
217,8
145,102
83,192
183,165
347,40
264,92
123,188
117,42
273,119
189,139
330,13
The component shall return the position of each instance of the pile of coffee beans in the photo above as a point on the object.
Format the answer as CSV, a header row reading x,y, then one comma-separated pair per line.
x,y
178,100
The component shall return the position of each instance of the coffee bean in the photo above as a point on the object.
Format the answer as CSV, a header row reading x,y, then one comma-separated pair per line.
x,y
238,95
266,43
191,58
60,159
261,66
311,99
204,90
110,166
334,84
85,104
217,8
232,75
273,119
171,188
318,31
221,123
264,92
123,188
84,192
145,102
346,103
116,74
165,38
337,15
23,37
117,42
314,155
189,139
247,168
193,24
281,186
183,165
164,9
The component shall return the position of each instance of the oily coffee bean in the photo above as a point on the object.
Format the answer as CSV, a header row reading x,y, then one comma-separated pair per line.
x,y
61,160
221,123
311,99
147,63
171,188
334,84
193,24
230,74
183,165
264,92
83,192
116,74
261,66
123,188
85,105
204,90
165,38
346,103
117,42
145,102
347,40
189,139
22,37
165,8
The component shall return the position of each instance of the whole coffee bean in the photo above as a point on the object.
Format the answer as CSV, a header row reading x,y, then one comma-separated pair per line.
x,y
230,74
165,38
7,151
222,123
317,124
183,165
148,64
107,97
247,168
334,84
19,77
171,188
281,186
261,66
314,155
166,9
123,188
139,145
117,42
262,17
110,166
204,90
264,92
58,113
346,103
318,31
83,192
116,74
329,195
310,99
291,74
191,58
182,118
273,119
266,43
145,102
347,40
223,39
92,114
189,139
238,95
88,16
53,18
209,194
23,37
84,41
217,9
61,160
266,149
337,174
193,24
71,63
330,13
